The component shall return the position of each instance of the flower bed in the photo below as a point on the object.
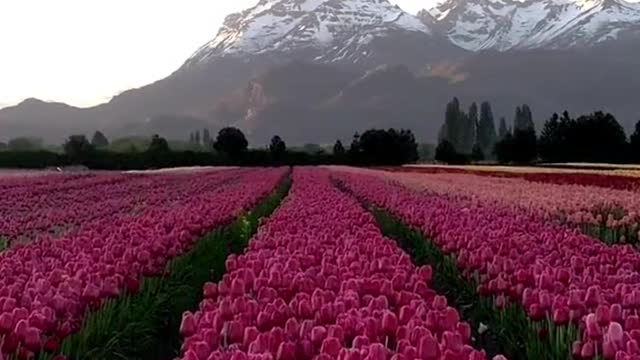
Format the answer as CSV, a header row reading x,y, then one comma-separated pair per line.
x,y
320,281
74,202
561,279
47,287
609,214
613,179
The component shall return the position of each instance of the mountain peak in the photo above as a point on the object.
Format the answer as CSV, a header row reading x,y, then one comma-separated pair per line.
x,y
525,24
284,26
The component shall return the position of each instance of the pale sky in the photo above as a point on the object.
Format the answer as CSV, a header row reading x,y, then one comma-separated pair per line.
x,y
82,52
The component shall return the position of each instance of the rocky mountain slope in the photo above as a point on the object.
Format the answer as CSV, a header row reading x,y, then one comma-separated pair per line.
x,y
532,24
364,32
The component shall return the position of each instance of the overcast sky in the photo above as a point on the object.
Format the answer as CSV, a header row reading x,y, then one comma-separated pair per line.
x,y
82,52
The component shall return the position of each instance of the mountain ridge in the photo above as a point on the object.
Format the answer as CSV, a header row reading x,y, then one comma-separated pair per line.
x,y
401,76
528,24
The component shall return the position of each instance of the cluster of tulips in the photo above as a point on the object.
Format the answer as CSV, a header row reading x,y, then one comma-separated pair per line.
x,y
557,275
319,281
606,213
620,180
71,202
47,286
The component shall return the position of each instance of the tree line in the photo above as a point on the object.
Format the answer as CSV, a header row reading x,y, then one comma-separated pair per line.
x,y
596,137
230,147
465,136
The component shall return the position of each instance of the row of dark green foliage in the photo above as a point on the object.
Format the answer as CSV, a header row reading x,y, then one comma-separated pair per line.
x,y
230,147
597,137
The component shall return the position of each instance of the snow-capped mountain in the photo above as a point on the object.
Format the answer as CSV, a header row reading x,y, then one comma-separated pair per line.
x,y
526,24
326,31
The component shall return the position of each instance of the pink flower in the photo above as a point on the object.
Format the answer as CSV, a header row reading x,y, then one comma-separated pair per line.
x,y
188,325
210,290
428,348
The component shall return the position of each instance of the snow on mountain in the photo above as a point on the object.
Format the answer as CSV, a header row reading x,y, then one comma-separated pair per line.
x,y
332,30
524,24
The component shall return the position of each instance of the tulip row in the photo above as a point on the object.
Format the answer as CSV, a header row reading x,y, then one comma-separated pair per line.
x,y
26,217
144,324
599,178
562,280
319,281
608,214
47,287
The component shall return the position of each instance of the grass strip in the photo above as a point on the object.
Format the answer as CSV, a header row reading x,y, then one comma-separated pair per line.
x,y
146,325
506,330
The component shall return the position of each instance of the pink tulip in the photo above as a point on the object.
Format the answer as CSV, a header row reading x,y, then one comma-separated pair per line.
x,y
188,325
428,348
318,334
210,290
360,342
331,346
389,323
32,339
6,323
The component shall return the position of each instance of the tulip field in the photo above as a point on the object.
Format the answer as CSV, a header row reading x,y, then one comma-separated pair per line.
x,y
319,263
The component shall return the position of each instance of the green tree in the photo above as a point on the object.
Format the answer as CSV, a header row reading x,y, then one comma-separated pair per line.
x,y
206,138
387,147
446,152
78,148
277,148
231,141
338,149
597,137
477,154
634,142
354,149
158,145
503,130
520,148
486,129
523,119
469,129
99,140
550,143
454,123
